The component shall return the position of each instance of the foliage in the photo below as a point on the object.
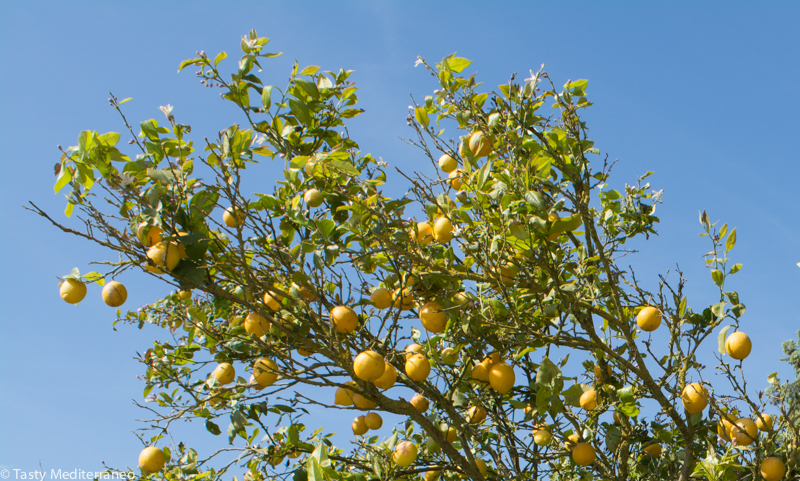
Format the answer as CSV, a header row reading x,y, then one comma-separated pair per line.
x,y
518,247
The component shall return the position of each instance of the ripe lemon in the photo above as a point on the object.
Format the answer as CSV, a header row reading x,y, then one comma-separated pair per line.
x,y
420,403
572,441
72,291
149,235
447,163
738,345
598,373
272,302
502,377
114,294
724,426
265,372
361,402
256,325
381,298
772,469
648,319
417,367
164,255
404,454
461,298
588,400
304,292
508,272
443,230
542,437
387,379
343,396
403,300
423,233
744,432
433,318
305,352
313,198
480,145
413,348
456,179
373,420
185,295
481,465
224,373
344,319
450,433
480,372
449,356
432,475
653,450
476,415
232,217
151,459
618,417
694,397
766,424
583,454
360,426
369,366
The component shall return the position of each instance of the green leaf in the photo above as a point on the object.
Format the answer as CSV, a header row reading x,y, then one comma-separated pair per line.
x,y
737,267
721,339
301,111
63,178
717,277
458,64
738,310
731,242
219,58
266,96
422,116
212,428
626,394
95,277
310,70
719,309
191,61
124,100
773,379
68,210
310,88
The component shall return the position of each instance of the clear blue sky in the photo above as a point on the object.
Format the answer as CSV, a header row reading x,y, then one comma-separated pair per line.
x,y
704,94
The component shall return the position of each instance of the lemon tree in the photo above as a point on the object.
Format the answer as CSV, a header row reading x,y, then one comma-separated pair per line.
x,y
496,325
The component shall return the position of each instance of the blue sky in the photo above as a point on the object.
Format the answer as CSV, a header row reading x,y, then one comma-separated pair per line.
x,y
705,95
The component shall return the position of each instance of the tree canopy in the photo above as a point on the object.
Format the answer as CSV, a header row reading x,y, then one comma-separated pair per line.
x,y
499,323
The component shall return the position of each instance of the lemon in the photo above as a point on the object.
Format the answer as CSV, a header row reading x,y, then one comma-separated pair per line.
x,y
344,319
501,377
114,294
72,291
738,345
369,366
433,318
151,459
649,319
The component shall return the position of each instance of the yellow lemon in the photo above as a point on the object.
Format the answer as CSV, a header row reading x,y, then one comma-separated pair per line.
x,y
476,415
114,294
588,400
738,345
232,217
313,198
653,450
224,373
149,235
344,319
417,367
151,459
648,319
420,403
502,377
381,298
766,424
256,325
387,379
447,163
72,291
694,397
360,426
480,145
433,318
404,454
374,421
583,454
744,432
772,469
265,372
369,366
